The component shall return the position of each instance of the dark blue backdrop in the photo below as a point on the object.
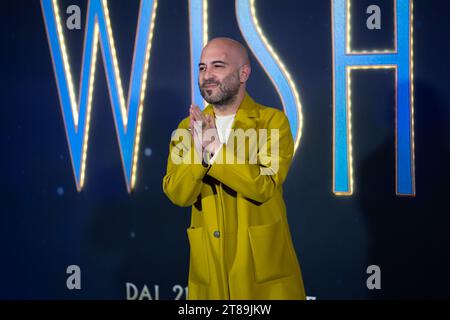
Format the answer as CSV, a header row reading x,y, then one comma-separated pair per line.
x,y
116,237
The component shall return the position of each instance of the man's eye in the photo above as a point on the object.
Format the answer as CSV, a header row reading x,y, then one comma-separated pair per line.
x,y
202,68
218,66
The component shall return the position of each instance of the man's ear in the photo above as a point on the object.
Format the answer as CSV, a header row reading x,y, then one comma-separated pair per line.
x,y
244,73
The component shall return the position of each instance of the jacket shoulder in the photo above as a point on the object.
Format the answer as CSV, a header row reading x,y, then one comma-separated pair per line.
x,y
184,124
271,114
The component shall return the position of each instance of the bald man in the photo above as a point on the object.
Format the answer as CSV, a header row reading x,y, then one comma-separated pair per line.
x,y
240,242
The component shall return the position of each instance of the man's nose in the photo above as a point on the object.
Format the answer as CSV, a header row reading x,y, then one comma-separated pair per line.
x,y
208,74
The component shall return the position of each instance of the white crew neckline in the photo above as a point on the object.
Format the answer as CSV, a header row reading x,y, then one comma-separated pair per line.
x,y
225,117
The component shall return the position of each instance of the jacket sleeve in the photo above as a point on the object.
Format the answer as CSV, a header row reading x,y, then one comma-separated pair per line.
x,y
183,180
258,181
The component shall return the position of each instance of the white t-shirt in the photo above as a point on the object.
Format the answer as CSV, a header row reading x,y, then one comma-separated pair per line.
x,y
223,125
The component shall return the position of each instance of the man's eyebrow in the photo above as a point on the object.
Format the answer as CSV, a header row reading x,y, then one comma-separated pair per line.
x,y
215,61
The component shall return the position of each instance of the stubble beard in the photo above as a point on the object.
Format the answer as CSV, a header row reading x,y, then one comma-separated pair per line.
x,y
228,91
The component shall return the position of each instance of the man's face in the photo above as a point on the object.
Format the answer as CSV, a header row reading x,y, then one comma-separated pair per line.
x,y
218,77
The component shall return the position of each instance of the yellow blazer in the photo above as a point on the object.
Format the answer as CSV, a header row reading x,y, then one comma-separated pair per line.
x,y
240,243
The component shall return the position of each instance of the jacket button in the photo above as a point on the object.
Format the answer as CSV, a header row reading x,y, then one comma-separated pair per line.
x,y
217,234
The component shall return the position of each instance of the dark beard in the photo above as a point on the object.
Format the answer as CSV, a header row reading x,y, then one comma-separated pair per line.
x,y
229,89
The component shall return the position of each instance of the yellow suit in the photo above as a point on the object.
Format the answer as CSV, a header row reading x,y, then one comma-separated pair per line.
x,y
240,242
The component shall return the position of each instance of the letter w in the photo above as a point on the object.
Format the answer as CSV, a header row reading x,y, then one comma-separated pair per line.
x,y
77,113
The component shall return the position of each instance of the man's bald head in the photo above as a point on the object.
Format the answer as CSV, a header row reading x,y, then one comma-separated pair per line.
x,y
234,50
224,69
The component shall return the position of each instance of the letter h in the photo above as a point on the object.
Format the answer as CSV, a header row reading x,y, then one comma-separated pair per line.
x,y
344,61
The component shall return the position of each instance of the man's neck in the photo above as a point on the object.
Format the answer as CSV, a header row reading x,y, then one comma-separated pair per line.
x,y
228,109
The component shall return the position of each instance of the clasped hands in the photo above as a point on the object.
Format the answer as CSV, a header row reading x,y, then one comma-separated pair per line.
x,y
204,132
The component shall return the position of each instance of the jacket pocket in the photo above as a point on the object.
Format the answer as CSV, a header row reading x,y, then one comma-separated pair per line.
x,y
271,256
198,260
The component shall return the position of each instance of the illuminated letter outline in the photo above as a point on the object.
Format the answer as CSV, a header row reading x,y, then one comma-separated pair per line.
x,y
272,65
127,118
344,62
198,31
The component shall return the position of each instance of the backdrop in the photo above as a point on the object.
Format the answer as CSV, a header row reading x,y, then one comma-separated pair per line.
x,y
131,245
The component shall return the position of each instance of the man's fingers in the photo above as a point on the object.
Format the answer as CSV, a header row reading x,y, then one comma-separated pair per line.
x,y
192,112
198,115
195,110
